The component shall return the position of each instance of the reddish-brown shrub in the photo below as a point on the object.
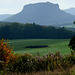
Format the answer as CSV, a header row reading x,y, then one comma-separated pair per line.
x,y
5,52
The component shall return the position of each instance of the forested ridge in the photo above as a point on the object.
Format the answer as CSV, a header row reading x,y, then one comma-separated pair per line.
x,y
33,31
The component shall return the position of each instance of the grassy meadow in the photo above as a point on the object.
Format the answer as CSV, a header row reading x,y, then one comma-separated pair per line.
x,y
53,46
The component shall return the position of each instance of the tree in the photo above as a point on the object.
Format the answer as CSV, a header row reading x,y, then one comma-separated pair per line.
x,y
72,43
74,22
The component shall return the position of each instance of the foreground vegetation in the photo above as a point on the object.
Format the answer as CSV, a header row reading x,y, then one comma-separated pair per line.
x,y
48,64
51,63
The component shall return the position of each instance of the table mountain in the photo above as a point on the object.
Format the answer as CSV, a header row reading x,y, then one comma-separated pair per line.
x,y
41,13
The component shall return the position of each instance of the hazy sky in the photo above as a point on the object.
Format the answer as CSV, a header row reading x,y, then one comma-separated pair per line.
x,y
15,6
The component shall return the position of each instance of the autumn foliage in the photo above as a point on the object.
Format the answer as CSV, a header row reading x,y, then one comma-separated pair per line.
x,y
5,52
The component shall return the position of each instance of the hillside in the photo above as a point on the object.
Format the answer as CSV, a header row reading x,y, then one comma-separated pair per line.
x,y
70,11
4,16
41,13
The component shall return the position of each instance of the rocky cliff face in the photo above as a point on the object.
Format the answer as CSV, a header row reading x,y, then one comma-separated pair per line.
x,y
41,13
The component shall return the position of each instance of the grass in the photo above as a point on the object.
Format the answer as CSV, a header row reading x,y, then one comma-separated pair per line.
x,y
54,45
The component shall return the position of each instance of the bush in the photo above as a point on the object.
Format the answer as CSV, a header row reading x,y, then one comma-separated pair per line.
x,y
6,55
5,52
50,62
72,43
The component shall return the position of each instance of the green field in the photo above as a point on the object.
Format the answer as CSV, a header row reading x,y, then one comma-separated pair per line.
x,y
54,45
69,26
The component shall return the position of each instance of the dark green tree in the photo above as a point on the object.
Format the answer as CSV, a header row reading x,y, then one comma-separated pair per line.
x,y
74,22
72,44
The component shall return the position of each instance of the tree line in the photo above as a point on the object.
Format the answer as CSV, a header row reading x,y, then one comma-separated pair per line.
x,y
33,31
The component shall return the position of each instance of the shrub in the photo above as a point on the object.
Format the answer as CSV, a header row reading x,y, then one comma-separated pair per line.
x,y
6,55
72,43
50,62
23,63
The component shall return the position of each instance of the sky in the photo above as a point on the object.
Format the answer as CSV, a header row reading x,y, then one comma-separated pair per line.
x,y
15,6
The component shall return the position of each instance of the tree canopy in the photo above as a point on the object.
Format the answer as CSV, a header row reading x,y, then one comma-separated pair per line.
x,y
33,31
72,43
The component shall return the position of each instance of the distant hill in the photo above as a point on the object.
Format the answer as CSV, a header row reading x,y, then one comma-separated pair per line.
x,y
41,13
4,16
71,11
